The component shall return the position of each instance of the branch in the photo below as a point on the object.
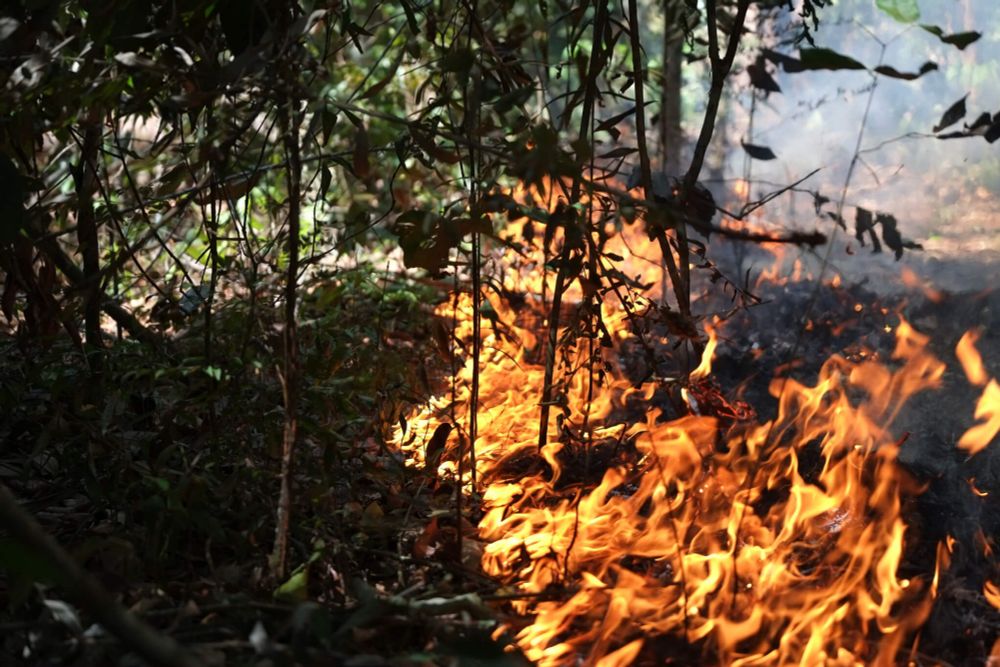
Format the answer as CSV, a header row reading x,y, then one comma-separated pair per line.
x,y
78,280
152,646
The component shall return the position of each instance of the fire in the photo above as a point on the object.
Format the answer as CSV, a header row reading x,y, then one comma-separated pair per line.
x,y
721,535
979,436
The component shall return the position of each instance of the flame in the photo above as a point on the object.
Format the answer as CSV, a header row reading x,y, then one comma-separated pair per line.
x,y
704,368
972,362
913,281
992,594
640,526
979,436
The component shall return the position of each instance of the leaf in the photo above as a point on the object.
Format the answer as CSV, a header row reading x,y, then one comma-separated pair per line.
x,y
424,546
787,63
758,152
607,124
12,216
888,70
65,615
820,58
981,125
411,19
259,639
515,98
959,40
892,237
904,11
325,178
435,447
993,133
955,113
295,589
760,78
425,140
864,224
329,120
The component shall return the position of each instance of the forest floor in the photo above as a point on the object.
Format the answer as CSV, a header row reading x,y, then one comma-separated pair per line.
x,y
164,484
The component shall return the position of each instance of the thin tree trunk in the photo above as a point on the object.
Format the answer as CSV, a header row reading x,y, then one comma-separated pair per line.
x,y
671,131
86,185
290,338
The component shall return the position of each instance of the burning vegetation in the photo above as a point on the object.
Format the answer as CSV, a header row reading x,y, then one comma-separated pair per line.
x,y
659,519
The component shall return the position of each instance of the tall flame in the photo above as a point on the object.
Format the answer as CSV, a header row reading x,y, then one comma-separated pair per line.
x,y
727,537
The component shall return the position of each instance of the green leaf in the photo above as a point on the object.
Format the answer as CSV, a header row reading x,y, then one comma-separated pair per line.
x,y
295,589
959,40
827,59
904,11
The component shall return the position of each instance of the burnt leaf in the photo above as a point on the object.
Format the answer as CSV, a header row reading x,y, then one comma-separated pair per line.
x,y
819,201
864,223
820,58
892,237
435,447
787,63
981,125
760,78
758,152
993,133
959,40
904,11
888,70
955,113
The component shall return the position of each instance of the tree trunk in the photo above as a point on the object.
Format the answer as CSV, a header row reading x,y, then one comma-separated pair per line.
x,y
671,131
85,178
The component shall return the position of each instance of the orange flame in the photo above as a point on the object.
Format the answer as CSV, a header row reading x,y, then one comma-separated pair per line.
x,y
720,537
978,437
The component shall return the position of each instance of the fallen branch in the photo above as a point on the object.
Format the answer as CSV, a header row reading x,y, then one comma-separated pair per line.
x,y
152,646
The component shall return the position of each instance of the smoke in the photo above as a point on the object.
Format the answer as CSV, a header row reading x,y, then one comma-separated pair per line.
x,y
943,192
